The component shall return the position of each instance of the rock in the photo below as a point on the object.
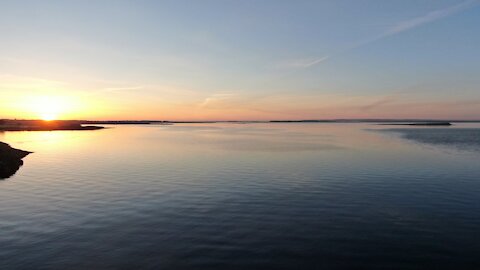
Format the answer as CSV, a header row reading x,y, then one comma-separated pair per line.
x,y
10,160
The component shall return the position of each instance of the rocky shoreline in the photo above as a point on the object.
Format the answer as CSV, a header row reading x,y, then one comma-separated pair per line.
x,y
10,160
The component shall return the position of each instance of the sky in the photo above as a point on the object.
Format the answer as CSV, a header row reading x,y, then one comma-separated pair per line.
x,y
239,60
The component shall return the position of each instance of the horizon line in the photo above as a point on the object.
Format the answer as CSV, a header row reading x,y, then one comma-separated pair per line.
x,y
267,120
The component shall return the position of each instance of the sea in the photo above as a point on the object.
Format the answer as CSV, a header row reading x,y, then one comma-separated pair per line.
x,y
244,196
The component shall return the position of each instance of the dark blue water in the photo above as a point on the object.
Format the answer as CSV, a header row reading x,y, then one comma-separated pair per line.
x,y
466,138
226,196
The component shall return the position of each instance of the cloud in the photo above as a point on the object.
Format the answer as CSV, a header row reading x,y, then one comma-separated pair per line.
x,y
429,17
398,28
10,82
127,88
303,63
378,103
413,23
217,99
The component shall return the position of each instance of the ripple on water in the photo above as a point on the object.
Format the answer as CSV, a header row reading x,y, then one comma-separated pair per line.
x,y
374,203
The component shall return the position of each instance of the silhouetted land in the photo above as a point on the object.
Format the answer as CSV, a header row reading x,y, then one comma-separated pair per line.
x,y
116,122
420,124
143,122
10,160
413,122
303,121
40,125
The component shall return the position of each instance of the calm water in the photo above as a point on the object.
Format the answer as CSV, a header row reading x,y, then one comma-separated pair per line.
x,y
253,196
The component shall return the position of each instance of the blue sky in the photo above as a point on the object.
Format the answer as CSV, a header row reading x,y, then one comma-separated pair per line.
x,y
243,59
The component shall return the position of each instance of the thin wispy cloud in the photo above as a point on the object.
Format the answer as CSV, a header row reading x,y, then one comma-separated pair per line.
x,y
127,88
216,99
378,103
416,22
398,28
429,17
303,63
10,82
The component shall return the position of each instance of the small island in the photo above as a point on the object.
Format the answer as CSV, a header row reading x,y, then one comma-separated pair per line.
x,y
41,125
420,124
10,160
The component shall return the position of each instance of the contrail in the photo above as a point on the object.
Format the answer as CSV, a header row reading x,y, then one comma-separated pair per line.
x,y
400,27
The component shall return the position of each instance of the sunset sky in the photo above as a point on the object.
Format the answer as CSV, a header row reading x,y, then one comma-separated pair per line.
x,y
240,60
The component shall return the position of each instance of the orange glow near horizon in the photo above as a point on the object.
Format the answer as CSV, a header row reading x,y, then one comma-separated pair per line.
x,y
48,117
46,107
65,104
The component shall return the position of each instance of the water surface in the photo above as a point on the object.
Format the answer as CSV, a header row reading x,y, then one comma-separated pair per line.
x,y
230,196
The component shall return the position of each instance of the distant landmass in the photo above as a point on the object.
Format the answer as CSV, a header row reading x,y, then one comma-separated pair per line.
x,y
420,124
40,125
380,121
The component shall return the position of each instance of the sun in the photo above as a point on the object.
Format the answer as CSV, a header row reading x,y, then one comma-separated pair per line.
x,y
48,108
48,117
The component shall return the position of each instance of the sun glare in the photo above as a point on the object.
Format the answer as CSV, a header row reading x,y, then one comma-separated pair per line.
x,y
48,108
48,117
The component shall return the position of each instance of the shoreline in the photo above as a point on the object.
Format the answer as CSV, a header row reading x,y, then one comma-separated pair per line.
x,y
39,128
11,159
39,125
